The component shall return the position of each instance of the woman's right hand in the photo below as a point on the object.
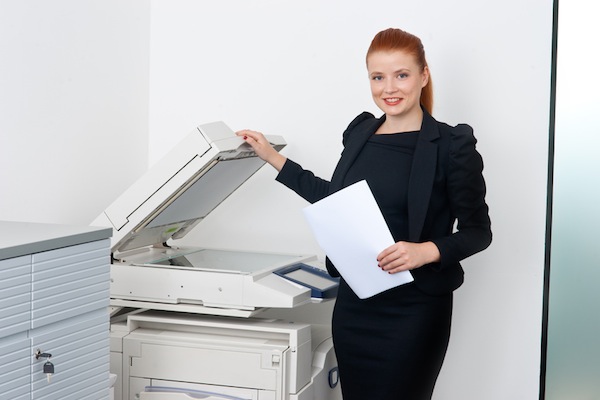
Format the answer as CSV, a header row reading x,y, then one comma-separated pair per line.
x,y
263,148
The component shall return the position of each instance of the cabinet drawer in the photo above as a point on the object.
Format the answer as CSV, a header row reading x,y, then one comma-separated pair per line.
x,y
80,354
70,281
15,295
15,359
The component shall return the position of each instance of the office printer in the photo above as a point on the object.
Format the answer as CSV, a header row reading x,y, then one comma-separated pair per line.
x,y
185,320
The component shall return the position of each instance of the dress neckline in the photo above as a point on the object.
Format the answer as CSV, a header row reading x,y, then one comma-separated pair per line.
x,y
396,133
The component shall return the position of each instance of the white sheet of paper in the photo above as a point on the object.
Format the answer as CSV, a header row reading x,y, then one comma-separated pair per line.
x,y
349,227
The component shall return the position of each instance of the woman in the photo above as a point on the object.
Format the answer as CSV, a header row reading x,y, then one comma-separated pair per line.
x,y
425,175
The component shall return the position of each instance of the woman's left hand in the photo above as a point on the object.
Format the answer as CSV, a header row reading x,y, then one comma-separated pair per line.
x,y
404,256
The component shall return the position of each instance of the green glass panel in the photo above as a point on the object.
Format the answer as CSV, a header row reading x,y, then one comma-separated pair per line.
x,y
573,353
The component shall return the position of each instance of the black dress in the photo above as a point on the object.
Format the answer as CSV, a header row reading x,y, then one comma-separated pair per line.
x,y
390,346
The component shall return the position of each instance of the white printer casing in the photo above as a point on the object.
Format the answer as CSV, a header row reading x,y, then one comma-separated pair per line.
x,y
185,320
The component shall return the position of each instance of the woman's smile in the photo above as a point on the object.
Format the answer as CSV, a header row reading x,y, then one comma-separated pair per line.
x,y
392,101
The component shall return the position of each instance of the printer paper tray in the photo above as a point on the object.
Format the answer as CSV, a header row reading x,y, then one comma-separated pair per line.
x,y
176,396
166,393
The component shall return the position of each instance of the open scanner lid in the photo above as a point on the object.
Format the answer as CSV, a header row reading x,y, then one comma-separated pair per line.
x,y
181,189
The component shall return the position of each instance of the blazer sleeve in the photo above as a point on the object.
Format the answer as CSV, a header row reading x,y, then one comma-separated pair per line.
x,y
466,194
310,187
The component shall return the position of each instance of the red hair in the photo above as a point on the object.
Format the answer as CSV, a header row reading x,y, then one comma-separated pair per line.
x,y
393,39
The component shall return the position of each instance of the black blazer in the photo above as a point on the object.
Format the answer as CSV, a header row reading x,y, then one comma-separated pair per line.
x,y
445,185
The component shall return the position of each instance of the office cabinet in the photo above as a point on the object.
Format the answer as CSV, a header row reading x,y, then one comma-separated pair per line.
x,y
54,297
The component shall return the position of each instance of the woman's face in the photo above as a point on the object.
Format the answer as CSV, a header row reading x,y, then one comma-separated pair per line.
x,y
396,82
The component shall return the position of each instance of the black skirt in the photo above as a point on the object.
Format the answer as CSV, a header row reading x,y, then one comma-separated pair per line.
x,y
392,345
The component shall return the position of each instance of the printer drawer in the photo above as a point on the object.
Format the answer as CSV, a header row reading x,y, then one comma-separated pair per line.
x,y
142,389
249,366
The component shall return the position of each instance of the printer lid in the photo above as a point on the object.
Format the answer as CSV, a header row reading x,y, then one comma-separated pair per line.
x,y
180,190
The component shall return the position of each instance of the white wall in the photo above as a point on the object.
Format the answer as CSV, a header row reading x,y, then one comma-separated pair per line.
x,y
297,69
73,106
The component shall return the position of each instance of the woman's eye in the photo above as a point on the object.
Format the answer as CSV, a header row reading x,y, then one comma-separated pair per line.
x,y
377,78
403,76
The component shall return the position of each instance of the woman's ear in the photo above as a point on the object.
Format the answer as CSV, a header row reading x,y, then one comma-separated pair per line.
x,y
425,76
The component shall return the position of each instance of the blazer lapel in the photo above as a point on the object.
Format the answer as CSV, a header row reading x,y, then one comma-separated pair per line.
x,y
421,178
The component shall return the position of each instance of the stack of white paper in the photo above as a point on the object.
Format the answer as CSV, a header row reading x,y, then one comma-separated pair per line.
x,y
349,227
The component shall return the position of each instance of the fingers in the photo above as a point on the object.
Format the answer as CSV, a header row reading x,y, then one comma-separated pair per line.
x,y
262,148
395,266
249,134
396,258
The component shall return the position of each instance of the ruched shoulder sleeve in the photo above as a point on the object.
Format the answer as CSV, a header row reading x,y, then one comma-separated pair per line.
x,y
364,116
466,195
